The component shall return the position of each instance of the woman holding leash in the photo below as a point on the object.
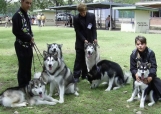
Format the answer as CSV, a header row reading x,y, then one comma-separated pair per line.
x,y
85,29
144,54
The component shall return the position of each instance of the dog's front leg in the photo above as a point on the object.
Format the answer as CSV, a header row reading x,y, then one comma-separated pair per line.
x,y
61,94
111,80
135,91
142,101
48,98
52,86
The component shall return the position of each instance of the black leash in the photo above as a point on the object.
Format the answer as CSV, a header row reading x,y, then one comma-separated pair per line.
x,y
36,48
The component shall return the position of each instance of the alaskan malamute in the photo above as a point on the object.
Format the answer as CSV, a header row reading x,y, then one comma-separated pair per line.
x,y
33,94
54,47
91,55
109,72
57,73
145,89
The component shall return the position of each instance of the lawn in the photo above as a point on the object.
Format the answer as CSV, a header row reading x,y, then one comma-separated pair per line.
x,y
114,45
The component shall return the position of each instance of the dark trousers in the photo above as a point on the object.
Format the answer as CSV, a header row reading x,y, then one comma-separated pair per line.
x,y
80,67
24,56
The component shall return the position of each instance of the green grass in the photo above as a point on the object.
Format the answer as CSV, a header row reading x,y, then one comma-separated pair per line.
x,y
114,45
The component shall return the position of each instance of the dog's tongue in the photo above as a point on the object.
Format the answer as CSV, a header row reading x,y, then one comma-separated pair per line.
x,y
88,55
142,77
40,95
50,68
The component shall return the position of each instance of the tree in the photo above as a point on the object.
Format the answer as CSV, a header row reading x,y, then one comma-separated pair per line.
x,y
3,5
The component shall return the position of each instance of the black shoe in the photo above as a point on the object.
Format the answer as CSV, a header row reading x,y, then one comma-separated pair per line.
x,y
76,80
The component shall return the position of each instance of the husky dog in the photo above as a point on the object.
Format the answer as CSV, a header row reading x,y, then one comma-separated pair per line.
x,y
110,72
91,55
34,94
57,73
54,47
146,89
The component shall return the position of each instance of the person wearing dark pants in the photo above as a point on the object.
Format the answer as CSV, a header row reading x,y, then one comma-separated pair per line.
x,y
85,29
24,42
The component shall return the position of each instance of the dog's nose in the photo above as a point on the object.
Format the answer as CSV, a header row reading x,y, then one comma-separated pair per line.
x,y
89,52
142,74
49,65
40,93
54,50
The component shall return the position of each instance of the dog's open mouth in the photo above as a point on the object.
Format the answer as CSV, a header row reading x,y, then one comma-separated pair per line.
x,y
89,54
40,94
50,67
142,76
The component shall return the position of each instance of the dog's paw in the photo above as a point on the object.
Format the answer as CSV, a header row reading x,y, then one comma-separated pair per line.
x,y
141,105
50,95
151,104
55,100
76,93
107,90
52,103
115,88
61,101
130,100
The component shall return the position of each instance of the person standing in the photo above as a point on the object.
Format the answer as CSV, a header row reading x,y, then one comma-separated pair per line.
x,y
85,29
144,54
39,19
24,42
6,21
43,18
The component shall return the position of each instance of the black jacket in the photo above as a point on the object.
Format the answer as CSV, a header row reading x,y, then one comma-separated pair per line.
x,y
146,56
17,25
82,32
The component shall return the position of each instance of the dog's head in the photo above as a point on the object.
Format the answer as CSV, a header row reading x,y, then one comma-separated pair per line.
x,y
143,69
90,49
94,76
36,88
50,61
52,48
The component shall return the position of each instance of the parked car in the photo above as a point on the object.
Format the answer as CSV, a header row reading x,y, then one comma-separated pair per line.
x,y
61,17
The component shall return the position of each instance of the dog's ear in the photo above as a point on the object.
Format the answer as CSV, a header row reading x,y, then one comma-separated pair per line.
x,y
138,63
60,45
85,45
45,53
148,64
42,79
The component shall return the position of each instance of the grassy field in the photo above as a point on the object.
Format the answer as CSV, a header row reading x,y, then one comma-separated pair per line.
x,y
114,45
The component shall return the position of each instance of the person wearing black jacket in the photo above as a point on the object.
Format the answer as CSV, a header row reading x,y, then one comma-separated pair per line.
x,y
24,41
144,54
85,29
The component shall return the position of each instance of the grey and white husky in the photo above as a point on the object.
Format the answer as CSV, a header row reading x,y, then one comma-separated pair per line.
x,y
58,75
146,90
110,73
33,94
92,56
54,47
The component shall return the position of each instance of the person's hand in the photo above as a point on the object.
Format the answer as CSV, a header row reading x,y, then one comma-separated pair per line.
x,y
85,41
147,80
32,41
137,77
95,41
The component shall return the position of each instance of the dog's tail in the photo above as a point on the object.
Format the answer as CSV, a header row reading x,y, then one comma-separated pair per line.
x,y
127,77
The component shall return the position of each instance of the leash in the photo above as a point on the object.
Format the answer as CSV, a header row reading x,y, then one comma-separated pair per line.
x,y
36,48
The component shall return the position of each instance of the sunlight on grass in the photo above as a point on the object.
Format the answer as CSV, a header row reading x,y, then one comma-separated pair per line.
x,y
114,45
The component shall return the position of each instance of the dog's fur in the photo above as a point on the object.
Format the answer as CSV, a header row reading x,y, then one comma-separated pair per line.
x,y
54,47
92,56
33,94
110,72
58,74
146,89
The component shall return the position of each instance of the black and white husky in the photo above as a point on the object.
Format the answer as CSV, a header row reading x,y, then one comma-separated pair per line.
x,y
109,72
92,56
146,90
33,94
54,47
58,74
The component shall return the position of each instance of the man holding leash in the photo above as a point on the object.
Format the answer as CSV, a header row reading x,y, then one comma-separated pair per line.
x,y
85,29
24,42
